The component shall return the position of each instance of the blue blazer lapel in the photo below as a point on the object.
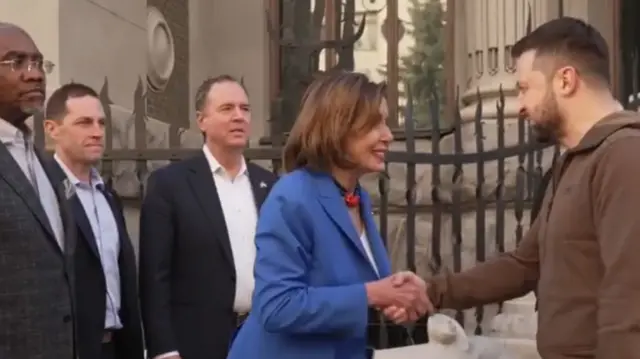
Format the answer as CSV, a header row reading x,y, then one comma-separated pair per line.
x,y
378,249
333,204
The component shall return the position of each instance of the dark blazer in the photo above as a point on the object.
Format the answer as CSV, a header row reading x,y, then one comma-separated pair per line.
x,y
311,267
91,285
187,274
36,276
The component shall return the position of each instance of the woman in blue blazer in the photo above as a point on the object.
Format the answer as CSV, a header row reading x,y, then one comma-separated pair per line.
x,y
320,261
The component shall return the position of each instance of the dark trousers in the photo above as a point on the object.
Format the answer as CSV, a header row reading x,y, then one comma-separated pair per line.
x,y
108,351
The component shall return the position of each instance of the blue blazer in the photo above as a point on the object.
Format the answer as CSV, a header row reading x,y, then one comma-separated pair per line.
x,y
309,300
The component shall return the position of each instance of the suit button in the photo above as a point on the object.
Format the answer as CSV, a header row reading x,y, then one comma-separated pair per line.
x,y
66,319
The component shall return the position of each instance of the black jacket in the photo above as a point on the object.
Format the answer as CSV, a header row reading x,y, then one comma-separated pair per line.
x,y
91,285
187,274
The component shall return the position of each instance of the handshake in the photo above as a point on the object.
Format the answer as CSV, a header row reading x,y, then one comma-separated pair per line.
x,y
402,297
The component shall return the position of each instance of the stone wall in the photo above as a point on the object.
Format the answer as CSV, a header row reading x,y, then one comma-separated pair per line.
x,y
170,104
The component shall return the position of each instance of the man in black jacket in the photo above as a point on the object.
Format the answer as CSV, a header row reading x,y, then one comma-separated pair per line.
x,y
197,228
108,315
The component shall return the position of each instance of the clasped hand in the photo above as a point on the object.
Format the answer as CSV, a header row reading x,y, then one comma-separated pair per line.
x,y
402,297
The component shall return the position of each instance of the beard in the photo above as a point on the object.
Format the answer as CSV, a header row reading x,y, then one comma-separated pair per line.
x,y
32,108
548,124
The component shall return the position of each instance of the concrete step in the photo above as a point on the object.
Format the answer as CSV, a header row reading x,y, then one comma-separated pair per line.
x,y
519,307
519,348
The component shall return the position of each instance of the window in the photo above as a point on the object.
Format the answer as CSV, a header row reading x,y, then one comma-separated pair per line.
x,y
369,39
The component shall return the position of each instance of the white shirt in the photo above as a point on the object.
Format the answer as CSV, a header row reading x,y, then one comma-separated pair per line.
x,y
367,249
240,216
105,230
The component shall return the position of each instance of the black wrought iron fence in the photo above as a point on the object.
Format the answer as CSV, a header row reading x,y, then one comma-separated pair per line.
x,y
479,174
461,194
464,164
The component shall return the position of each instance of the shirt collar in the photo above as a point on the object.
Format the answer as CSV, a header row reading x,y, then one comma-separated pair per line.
x,y
10,134
215,165
96,179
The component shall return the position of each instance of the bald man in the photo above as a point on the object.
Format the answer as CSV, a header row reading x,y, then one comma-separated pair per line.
x,y
36,231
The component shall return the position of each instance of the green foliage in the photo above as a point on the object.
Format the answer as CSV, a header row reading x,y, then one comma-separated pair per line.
x,y
422,68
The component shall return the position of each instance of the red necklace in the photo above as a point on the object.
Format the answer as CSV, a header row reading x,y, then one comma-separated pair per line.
x,y
351,199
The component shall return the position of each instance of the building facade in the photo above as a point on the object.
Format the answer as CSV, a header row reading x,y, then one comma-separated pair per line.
x,y
148,58
186,41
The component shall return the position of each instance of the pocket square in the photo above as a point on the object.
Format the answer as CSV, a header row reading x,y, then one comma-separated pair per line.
x,y
263,185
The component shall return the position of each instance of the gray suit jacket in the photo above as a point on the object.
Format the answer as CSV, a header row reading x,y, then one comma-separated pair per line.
x,y
36,276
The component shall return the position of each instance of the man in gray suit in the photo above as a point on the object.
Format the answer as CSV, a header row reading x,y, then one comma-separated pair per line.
x,y
36,231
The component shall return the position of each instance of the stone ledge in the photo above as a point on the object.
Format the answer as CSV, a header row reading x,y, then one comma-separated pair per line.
x,y
518,319
521,326
522,305
494,348
519,348
448,340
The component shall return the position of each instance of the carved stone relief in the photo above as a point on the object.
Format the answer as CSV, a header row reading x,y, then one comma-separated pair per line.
x,y
160,49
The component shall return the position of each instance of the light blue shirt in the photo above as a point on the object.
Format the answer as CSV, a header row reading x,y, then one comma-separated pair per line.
x,y
105,231
20,146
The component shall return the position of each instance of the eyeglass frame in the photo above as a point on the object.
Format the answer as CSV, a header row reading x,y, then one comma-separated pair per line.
x,y
18,64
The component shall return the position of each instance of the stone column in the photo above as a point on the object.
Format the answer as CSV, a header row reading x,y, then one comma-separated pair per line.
x,y
491,29
516,326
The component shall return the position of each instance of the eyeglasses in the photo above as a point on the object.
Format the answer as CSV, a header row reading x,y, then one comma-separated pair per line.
x,y
24,64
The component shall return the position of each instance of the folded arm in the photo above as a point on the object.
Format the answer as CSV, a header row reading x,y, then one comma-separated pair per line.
x,y
616,190
284,300
507,276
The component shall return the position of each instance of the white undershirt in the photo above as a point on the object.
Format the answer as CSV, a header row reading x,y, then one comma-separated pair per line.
x,y
240,216
367,250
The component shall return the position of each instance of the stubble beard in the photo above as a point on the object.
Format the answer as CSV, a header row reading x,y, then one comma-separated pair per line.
x,y
32,109
548,129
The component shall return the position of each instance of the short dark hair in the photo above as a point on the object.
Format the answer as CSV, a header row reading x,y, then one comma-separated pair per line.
x,y
56,107
206,85
573,41
335,107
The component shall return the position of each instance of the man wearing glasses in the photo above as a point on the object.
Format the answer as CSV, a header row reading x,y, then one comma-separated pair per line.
x,y
36,231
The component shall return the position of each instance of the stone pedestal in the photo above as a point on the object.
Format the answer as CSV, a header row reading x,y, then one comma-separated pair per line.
x,y
517,325
449,341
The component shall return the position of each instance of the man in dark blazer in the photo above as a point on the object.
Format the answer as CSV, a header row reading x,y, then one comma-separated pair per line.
x,y
36,230
108,314
197,229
